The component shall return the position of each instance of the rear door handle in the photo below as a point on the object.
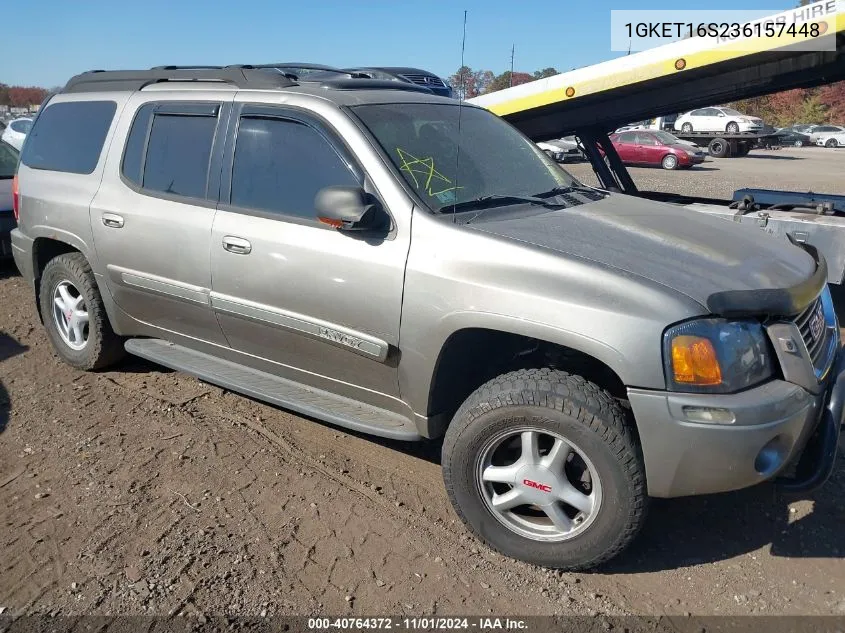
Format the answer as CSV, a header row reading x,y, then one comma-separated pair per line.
x,y
112,220
237,245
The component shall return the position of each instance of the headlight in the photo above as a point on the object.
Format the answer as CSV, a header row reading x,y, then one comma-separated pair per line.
x,y
716,356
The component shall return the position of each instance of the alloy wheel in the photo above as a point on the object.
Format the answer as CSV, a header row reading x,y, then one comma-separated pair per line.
x,y
70,315
538,484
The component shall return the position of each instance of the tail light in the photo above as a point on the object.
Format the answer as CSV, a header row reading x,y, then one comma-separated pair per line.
x,y
16,198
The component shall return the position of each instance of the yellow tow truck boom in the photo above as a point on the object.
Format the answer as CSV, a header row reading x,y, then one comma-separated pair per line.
x,y
675,77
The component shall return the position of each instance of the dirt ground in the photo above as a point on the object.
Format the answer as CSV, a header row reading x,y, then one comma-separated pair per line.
x,y
144,491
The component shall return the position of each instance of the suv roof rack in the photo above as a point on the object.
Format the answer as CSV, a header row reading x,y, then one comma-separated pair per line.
x,y
242,76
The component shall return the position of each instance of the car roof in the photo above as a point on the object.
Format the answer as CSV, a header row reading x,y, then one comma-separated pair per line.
x,y
339,88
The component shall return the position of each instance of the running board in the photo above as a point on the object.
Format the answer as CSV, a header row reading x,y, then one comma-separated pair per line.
x,y
279,391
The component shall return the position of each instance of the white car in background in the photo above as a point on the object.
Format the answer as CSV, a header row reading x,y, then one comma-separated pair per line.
x,y
562,150
718,119
824,131
16,132
831,139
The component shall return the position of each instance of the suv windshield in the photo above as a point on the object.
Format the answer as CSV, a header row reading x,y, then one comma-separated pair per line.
x,y
488,159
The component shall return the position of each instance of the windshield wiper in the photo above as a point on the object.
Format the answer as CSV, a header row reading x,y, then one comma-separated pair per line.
x,y
486,202
551,193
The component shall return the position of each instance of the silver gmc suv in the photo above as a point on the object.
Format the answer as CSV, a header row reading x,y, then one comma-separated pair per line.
x,y
382,259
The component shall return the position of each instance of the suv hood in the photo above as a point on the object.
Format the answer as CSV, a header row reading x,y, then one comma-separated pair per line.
x,y
692,253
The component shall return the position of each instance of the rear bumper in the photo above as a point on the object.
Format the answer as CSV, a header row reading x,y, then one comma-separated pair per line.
x,y
776,424
22,252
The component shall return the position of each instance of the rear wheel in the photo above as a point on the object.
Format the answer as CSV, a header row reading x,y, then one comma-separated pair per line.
x,y
686,127
74,316
718,147
670,161
732,128
831,142
543,467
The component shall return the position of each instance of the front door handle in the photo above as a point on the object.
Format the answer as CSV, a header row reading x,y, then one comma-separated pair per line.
x,y
237,245
113,220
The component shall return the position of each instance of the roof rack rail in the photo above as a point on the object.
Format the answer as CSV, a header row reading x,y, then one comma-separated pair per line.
x,y
239,76
356,82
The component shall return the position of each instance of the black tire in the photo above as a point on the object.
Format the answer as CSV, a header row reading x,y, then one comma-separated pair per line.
x,y
686,127
718,147
732,128
581,412
670,161
799,143
103,346
831,142
742,149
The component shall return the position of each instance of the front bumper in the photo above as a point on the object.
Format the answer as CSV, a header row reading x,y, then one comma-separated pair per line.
x,y
776,424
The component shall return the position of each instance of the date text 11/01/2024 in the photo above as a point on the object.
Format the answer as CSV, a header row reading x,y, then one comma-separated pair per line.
x,y
417,624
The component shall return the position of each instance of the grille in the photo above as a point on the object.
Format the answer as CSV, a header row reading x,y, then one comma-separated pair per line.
x,y
426,80
816,340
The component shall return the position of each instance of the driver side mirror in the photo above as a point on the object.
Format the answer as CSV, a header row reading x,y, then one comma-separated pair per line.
x,y
346,208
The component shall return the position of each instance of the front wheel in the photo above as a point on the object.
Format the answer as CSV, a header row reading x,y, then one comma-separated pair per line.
x,y
799,144
543,466
732,128
669,162
74,316
831,142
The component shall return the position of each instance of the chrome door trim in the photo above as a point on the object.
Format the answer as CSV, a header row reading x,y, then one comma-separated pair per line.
x,y
332,333
160,285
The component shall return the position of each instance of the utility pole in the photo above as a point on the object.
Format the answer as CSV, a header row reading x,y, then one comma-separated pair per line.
x,y
513,47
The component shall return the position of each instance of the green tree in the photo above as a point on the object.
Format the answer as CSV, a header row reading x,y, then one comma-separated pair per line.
x,y
546,72
505,81
814,111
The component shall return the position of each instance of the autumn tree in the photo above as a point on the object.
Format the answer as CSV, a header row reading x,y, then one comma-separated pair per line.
x,y
468,83
21,96
832,99
506,81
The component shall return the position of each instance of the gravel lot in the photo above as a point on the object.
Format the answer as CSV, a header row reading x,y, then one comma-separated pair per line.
x,y
145,491
794,169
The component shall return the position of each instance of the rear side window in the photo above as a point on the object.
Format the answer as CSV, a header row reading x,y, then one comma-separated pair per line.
x,y
281,164
69,136
168,149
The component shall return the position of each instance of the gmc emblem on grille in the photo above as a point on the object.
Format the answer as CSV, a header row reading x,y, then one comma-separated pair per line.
x,y
817,323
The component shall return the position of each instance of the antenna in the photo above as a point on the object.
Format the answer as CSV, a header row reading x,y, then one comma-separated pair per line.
x,y
513,49
460,109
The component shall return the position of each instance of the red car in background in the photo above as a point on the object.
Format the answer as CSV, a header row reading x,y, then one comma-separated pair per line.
x,y
654,147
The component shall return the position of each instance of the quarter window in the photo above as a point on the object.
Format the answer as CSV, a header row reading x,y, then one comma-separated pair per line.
x,y
69,136
281,164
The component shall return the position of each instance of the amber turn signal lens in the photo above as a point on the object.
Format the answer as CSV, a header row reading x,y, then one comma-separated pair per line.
x,y
332,222
694,361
